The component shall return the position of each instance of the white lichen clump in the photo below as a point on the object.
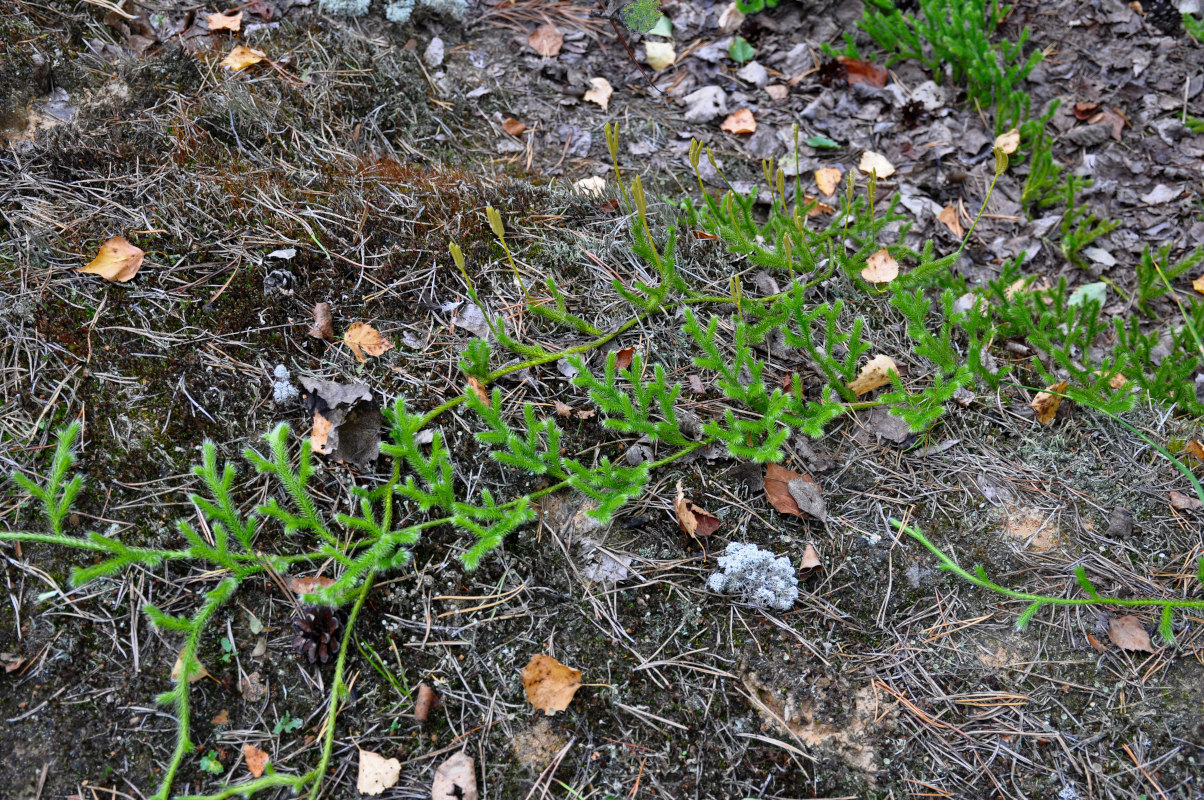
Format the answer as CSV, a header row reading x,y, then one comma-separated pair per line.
x,y
398,11
346,8
756,576
282,388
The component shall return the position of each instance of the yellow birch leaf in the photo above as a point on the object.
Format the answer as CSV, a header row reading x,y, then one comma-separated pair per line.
x,y
118,260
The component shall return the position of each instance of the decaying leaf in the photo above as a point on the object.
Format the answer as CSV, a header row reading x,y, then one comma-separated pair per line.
x,y
805,492
599,92
242,57
550,685
308,585
546,40
363,338
1008,142
1183,502
1128,633
1047,403
563,409
377,773
513,126
252,688
197,673
118,260
777,489
225,22
455,779
872,162
323,327
881,267
623,357
828,179
948,217
811,558
874,374
742,121
478,389
659,55
256,759
1194,448
691,519
220,718
1198,284
859,71
347,420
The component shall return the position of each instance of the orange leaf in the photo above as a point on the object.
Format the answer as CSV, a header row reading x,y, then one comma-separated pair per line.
x,y
1198,284
1046,403
811,558
1193,448
864,72
513,126
623,357
546,40
550,685
777,489
256,759
478,389
223,22
692,519
221,718
320,433
118,260
242,57
881,267
362,338
828,179
740,122
875,373
948,217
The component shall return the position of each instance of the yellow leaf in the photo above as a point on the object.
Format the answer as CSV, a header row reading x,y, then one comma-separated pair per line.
x,y
828,179
1047,403
1194,449
1198,284
196,673
478,389
242,57
742,121
1008,142
118,260
874,374
659,55
948,217
872,162
362,338
881,267
550,685
376,773
599,92
223,22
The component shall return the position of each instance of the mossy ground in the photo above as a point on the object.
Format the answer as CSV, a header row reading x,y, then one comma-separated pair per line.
x,y
887,680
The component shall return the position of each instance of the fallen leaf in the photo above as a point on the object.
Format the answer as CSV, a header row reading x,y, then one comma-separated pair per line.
x,y
881,267
224,22
478,389
252,688
874,374
221,718
659,55
811,559
693,520
1128,633
806,494
1193,448
740,122
864,72
323,327
623,357
948,217
816,207
363,338
118,260
546,40
828,179
377,773
198,670
1183,502
872,162
1084,111
777,489
256,759
562,409
594,186
425,702
513,126
1046,403
347,420
1008,142
308,585
1118,380
242,57
1198,284
550,685
1096,644
1111,116
455,779
471,318
599,92
696,385
777,92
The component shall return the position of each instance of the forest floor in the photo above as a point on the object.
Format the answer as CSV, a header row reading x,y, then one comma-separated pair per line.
x,y
337,171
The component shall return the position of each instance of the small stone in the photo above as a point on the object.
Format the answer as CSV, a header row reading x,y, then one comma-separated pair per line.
x,y
1121,524
1089,135
433,56
753,73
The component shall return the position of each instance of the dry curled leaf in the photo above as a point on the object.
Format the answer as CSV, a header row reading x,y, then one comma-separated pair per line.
x,y
811,558
1128,633
478,389
828,179
252,688
864,72
599,92
777,489
872,162
1008,142
948,217
563,409
881,267
513,126
376,773
455,779
1183,502
550,685
363,338
242,57
225,22
1194,448
198,671
256,759
1047,403
742,121
118,260
546,40
691,519
427,699
623,357
874,374
323,327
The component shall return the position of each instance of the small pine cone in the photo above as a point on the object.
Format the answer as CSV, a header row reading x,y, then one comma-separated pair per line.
x,y
317,633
